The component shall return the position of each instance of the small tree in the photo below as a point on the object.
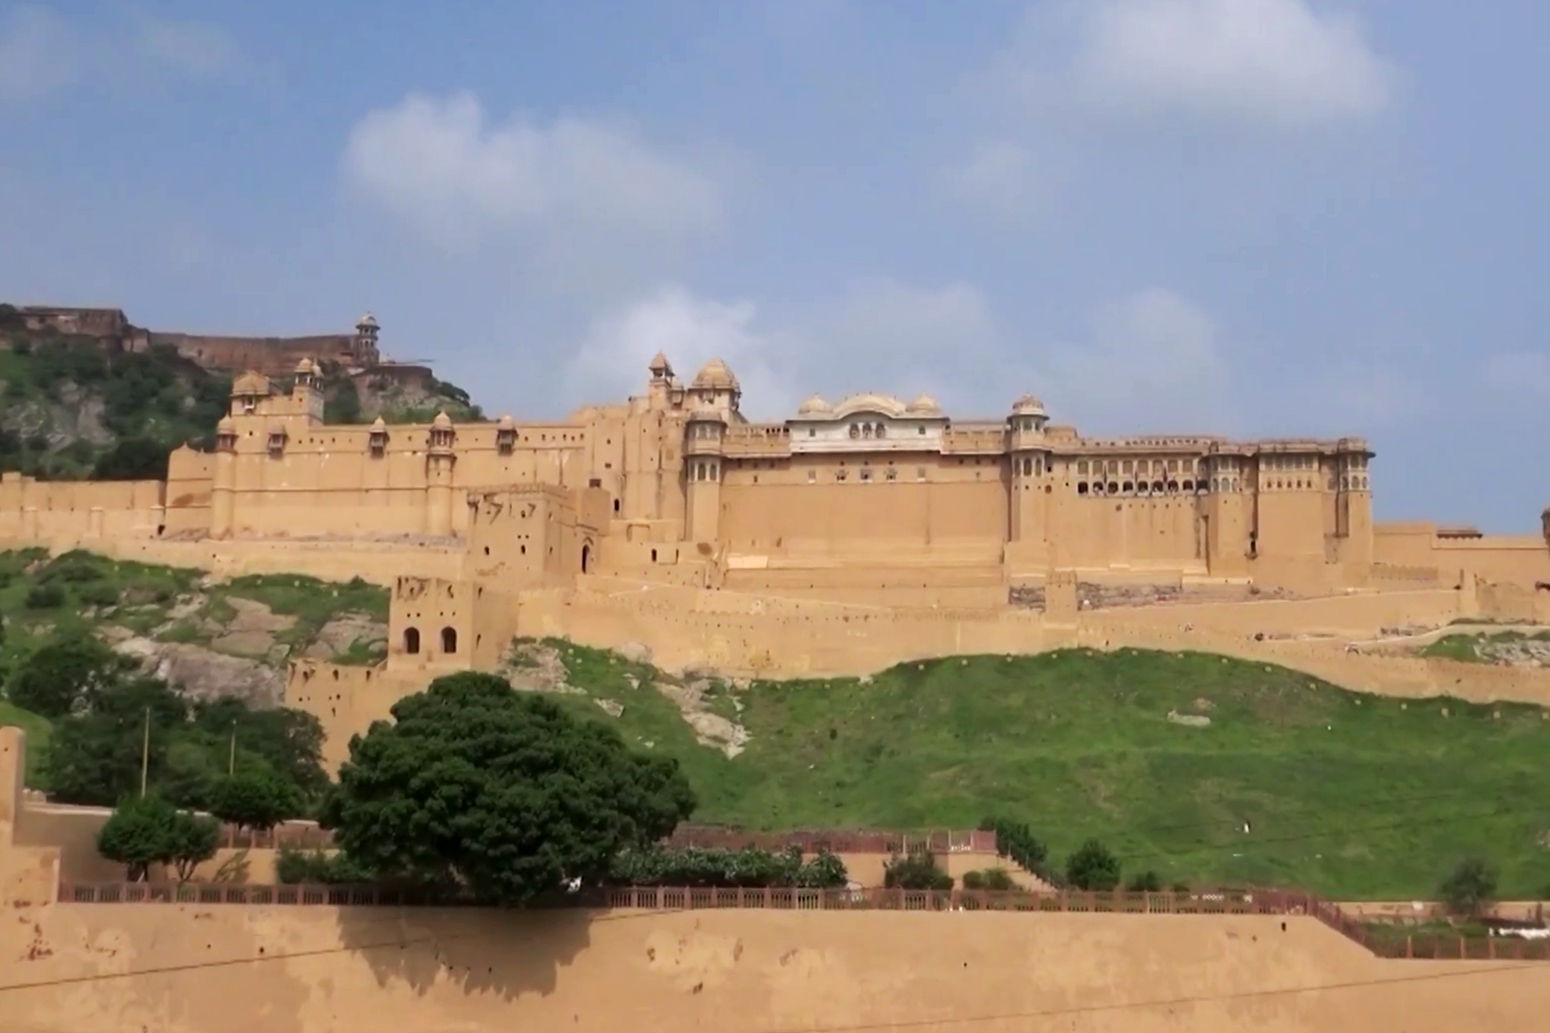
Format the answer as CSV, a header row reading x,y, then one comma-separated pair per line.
x,y
136,835
254,799
1093,868
1470,889
192,839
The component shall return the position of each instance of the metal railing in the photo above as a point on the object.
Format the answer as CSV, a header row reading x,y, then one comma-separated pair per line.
x,y
1381,939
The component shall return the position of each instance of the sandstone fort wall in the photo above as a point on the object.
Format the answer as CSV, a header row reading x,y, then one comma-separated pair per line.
x,y
104,968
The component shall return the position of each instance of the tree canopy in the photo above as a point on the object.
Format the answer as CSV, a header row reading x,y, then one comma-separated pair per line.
x,y
148,830
502,792
65,674
102,704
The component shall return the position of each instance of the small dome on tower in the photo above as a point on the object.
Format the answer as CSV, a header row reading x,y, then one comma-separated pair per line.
x,y
305,366
504,423
227,425
367,320
924,405
379,424
442,421
1028,405
715,375
660,365
815,406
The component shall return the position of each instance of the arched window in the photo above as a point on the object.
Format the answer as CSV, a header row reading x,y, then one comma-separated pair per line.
x,y
586,558
411,640
449,640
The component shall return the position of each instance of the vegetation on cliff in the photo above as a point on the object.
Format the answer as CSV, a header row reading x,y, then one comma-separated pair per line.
x,y
205,658
1289,781
69,410
209,638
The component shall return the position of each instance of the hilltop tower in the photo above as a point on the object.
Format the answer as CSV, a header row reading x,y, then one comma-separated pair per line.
x,y
363,349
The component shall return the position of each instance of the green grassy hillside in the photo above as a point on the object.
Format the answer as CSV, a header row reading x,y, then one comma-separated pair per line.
x,y
1347,794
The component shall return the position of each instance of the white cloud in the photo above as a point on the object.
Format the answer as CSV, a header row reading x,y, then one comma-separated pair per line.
x,y
456,178
1154,364
39,53
611,361
1258,62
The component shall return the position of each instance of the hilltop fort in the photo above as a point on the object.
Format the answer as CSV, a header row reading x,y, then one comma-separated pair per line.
x,y
848,537
356,351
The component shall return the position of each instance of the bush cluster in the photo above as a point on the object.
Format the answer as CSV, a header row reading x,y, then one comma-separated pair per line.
x,y
294,865
997,880
714,867
916,871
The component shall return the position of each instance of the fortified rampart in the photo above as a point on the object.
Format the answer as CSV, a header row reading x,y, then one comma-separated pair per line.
x,y
104,968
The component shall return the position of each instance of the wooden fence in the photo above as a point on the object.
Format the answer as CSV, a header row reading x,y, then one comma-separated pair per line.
x,y
1383,940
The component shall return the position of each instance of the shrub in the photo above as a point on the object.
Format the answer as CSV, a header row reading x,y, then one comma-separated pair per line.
x,y
994,880
750,868
98,593
45,595
1093,868
294,866
1470,889
918,871
1146,882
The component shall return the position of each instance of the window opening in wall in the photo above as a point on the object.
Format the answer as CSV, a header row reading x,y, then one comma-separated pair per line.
x,y
1113,488
891,474
411,640
812,476
586,558
1081,487
866,473
449,641
920,473
616,505
653,555
921,430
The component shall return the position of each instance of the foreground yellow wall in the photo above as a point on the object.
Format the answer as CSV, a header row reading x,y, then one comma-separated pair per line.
x,y
237,969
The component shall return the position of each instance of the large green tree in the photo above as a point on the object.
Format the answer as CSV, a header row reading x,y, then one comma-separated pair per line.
x,y
66,674
500,791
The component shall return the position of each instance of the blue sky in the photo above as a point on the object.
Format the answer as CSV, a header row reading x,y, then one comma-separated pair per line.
x,y
1251,217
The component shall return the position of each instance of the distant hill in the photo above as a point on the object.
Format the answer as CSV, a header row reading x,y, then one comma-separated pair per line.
x,y
72,409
